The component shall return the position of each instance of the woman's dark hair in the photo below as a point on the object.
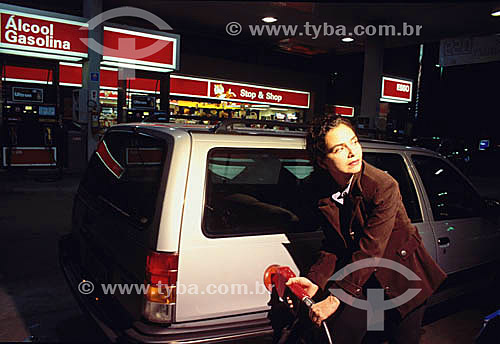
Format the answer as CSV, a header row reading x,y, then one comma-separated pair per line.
x,y
315,140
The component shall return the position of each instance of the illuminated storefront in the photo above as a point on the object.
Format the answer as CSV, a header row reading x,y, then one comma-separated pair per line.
x,y
204,100
41,56
43,52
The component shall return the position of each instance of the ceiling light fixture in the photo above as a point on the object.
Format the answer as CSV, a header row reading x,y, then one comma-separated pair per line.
x,y
269,19
347,39
496,13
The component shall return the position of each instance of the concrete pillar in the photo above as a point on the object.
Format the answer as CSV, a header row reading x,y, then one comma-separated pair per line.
x,y
165,93
90,87
121,104
372,80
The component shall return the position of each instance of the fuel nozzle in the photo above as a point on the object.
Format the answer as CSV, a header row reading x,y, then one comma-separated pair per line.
x,y
277,276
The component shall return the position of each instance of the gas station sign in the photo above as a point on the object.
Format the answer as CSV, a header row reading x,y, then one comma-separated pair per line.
x,y
215,89
395,90
342,110
42,36
70,74
124,48
36,33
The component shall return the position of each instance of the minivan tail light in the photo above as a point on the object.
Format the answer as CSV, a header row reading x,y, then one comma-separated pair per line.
x,y
161,277
162,267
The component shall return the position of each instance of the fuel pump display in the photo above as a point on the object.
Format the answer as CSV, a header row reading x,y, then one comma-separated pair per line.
x,y
30,123
142,107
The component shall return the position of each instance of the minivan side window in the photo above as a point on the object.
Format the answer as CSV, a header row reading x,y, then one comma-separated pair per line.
x,y
394,164
125,173
450,195
256,191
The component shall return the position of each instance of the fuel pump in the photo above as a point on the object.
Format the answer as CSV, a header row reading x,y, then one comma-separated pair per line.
x,y
94,115
31,119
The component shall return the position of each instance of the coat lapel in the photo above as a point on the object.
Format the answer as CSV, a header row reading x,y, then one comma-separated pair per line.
x,y
331,212
356,198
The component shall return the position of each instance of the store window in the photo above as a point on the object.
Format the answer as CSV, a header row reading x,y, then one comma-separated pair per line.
x,y
205,112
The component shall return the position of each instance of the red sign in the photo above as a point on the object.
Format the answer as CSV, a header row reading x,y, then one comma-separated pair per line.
x,y
30,156
396,89
154,52
48,36
189,87
70,74
25,74
342,110
257,94
57,37
214,89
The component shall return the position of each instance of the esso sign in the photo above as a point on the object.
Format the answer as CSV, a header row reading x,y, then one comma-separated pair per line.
x,y
396,90
403,88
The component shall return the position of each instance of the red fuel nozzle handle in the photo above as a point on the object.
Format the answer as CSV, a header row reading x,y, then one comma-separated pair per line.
x,y
301,294
278,276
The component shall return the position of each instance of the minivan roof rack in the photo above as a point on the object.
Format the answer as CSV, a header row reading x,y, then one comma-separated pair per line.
x,y
227,126
268,127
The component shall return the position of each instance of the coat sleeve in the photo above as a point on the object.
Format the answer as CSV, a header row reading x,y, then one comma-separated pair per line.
x,y
376,233
324,267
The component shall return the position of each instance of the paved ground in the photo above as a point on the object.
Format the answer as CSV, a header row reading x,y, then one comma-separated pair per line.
x,y
34,297
36,304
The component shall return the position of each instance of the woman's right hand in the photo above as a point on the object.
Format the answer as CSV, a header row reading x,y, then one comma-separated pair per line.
x,y
309,287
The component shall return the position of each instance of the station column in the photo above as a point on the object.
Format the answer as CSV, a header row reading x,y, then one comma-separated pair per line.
x,y
89,101
372,79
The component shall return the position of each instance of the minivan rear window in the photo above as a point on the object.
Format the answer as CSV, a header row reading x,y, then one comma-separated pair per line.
x,y
125,173
257,191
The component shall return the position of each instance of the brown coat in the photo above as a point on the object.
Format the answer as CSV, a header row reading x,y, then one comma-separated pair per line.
x,y
379,227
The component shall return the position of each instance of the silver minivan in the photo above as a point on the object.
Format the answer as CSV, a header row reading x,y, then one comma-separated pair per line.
x,y
174,225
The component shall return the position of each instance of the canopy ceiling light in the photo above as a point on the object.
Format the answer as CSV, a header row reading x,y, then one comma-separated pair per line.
x,y
269,19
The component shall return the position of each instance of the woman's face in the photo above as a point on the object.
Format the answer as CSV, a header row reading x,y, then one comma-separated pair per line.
x,y
343,153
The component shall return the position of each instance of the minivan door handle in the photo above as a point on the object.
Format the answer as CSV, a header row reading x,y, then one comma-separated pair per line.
x,y
444,242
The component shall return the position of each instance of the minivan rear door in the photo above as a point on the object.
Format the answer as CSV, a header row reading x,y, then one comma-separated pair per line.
x,y
242,214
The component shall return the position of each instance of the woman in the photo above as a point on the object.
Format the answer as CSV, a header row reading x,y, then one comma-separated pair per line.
x,y
365,218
